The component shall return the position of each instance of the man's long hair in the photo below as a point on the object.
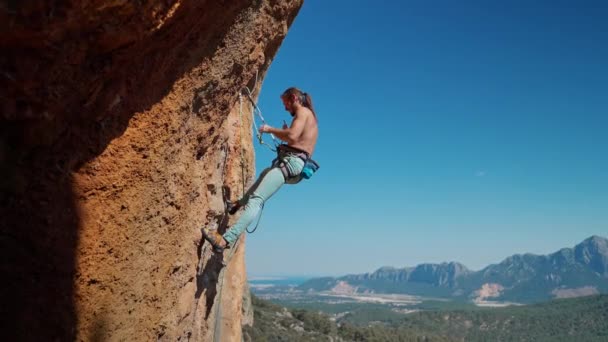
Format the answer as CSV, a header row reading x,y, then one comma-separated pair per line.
x,y
303,97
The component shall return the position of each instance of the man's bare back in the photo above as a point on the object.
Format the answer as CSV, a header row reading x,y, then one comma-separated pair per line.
x,y
307,138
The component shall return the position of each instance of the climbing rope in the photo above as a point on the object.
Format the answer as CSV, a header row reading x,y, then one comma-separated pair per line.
x,y
255,110
258,222
242,148
217,329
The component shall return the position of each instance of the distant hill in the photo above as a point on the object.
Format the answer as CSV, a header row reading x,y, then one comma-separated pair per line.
x,y
574,319
569,272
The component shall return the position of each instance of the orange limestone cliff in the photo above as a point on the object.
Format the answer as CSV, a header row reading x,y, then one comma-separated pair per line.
x,y
120,135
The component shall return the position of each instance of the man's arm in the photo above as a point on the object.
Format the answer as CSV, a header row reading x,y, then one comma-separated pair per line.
x,y
289,134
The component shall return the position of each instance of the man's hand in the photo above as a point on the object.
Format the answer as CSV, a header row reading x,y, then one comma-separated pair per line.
x,y
264,129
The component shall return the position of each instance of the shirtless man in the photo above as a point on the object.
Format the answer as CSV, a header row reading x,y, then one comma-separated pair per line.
x,y
301,138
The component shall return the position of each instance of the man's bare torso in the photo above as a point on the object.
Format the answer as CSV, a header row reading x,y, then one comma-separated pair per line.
x,y
307,140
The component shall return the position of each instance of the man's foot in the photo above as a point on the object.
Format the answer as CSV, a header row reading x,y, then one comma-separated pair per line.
x,y
215,239
232,207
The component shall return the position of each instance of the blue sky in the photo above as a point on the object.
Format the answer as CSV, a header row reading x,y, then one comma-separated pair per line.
x,y
449,131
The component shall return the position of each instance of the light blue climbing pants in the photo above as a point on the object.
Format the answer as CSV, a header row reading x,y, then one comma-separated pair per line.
x,y
269,181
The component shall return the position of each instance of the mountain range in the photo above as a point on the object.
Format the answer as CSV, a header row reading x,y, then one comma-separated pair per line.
x,y
522,278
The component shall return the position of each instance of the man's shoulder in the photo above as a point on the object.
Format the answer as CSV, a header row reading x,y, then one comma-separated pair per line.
x,y
303,112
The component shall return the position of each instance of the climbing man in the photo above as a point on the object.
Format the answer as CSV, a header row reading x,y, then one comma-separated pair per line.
x,y
293,163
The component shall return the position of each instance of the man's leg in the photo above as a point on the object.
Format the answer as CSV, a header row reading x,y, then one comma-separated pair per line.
x,y
233,207
267,184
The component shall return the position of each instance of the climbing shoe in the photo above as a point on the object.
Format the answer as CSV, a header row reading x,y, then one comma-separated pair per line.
x,y
232,207
214,238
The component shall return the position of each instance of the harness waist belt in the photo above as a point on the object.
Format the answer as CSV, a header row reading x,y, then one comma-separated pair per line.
x,y
293,150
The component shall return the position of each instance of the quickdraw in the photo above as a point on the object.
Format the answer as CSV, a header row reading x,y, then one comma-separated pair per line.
x,y
255,110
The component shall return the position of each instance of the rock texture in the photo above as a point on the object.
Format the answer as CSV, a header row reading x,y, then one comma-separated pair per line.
x,y
120,136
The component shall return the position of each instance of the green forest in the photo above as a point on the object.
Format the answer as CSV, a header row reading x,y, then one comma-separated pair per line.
x,y
577,319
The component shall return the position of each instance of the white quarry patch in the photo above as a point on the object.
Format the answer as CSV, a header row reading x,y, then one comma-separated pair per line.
x,y
488,290
575,292
492,304
375,298
343,287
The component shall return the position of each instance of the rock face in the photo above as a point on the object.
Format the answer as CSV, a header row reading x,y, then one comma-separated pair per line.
x,y
120,135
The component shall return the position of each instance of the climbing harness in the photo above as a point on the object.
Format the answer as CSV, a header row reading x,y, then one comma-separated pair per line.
x,y
310,166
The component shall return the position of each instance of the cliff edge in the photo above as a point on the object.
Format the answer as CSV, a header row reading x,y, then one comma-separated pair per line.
x,y
120,136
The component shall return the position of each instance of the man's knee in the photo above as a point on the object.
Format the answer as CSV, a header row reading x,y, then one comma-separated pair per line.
x,y
255,201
